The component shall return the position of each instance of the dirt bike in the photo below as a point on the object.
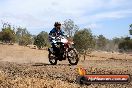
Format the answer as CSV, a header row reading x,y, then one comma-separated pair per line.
x,y
63,49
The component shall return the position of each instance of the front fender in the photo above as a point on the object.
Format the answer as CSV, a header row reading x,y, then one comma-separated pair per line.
x,y
50,50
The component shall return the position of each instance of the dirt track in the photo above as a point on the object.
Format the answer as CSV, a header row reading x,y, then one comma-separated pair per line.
x,y
29,68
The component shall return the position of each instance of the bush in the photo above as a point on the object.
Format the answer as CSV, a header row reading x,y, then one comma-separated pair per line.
x,y
41,40
125,45
0,36
23,37
25,40
83,40
7,35
101,42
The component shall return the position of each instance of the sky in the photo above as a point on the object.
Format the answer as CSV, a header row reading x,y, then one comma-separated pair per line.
x,y
108,17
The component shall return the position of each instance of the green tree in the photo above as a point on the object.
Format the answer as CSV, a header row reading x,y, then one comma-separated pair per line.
x,y
70,27
101,42
0,36
23,37
130,29
84,40
41,40
126,44
130,26
7,34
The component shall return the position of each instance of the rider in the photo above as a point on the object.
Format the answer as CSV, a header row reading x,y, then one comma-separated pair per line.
x,y
56,31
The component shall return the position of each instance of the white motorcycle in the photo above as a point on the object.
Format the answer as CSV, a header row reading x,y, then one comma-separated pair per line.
x,y
62,49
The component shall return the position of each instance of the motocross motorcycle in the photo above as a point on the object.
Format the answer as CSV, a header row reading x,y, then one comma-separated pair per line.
x,y
62,49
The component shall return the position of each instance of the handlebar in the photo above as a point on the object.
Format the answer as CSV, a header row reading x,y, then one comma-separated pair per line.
x,y
57,37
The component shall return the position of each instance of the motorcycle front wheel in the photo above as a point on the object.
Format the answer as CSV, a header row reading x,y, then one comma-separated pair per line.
x,y
73,56
52,59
